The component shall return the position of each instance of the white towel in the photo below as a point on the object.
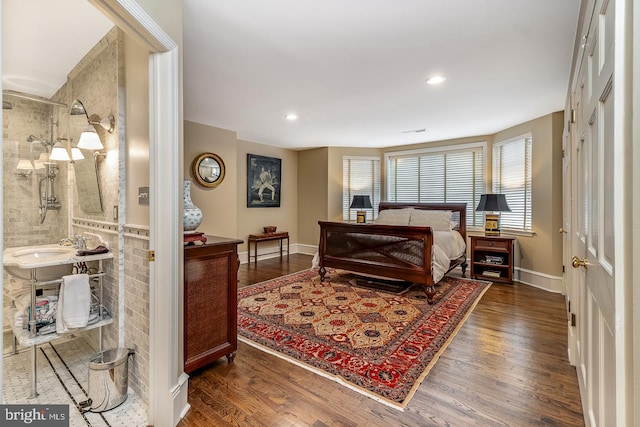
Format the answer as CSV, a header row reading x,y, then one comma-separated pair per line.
x,y
74,303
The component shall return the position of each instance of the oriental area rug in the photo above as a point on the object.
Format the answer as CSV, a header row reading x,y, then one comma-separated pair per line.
x,y
378,343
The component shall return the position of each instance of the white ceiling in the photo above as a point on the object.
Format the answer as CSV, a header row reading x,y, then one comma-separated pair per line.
x,y
353,70
42,40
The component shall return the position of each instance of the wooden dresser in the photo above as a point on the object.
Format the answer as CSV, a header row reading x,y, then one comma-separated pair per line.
x,y
210,301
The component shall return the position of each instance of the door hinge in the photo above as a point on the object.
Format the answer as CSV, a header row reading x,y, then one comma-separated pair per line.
x,y
569,306
563,268
573,319
151,256
573,115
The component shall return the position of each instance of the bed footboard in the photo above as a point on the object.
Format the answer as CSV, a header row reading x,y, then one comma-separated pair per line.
x,y
396,252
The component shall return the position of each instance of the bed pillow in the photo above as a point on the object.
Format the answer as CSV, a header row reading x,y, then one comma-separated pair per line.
x,y
394,217
437,220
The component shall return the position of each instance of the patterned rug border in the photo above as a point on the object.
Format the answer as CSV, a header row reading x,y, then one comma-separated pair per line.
x,y
339,379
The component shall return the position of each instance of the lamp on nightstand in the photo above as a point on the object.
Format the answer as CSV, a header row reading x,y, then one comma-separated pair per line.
x,y
492,203
361,203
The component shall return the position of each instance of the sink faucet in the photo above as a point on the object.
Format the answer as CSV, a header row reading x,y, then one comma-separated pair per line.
x,y
80,242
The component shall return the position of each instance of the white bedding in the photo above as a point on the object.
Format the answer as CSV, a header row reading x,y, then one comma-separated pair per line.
x,y
451,242
447,246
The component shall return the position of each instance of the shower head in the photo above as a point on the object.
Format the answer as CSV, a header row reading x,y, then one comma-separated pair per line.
x,y
32,138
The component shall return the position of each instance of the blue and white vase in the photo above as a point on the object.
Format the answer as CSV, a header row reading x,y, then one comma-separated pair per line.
x,y
191,214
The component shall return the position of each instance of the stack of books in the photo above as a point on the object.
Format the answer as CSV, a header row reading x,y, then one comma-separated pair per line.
x,y
491,273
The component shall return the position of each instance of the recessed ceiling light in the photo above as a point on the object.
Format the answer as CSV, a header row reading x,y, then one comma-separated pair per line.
x,y
291,116
436,80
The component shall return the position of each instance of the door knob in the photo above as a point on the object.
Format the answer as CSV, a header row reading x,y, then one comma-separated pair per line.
x,y
579,262
562,230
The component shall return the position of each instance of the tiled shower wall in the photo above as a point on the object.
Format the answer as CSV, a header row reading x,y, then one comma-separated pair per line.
x,y
21,213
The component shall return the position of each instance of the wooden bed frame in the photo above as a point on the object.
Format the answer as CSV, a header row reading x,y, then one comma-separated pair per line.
x,y
348,253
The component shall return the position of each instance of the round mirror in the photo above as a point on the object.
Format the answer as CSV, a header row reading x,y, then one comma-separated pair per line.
x,y
208,170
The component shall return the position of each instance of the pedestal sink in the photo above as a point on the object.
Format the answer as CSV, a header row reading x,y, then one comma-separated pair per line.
x,y
50,261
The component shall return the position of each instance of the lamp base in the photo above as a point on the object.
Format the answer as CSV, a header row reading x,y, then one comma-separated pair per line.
x,y
361,217
492,225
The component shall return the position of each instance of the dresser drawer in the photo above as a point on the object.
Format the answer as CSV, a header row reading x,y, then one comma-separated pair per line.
x,y
493,243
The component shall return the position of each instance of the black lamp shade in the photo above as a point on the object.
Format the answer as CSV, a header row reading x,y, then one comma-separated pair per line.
x,y
493,203
361,202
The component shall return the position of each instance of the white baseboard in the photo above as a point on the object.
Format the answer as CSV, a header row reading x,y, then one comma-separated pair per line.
x,y
273,252
539,280
307,249
180,394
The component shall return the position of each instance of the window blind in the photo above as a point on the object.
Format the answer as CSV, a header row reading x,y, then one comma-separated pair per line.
x,y
360,176
439,176
512,177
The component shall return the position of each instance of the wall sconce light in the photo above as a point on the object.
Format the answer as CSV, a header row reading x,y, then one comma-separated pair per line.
x,y
90,140
108,123
24,168
361,203
492,203
60,153
76,154
42,160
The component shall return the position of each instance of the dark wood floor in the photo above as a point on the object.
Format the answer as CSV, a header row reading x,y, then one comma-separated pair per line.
x,y
506,366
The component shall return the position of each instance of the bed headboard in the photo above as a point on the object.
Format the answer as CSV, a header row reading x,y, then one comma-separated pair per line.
x,y
459,211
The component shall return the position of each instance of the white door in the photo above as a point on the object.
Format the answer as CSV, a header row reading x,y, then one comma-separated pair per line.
x,y
592,234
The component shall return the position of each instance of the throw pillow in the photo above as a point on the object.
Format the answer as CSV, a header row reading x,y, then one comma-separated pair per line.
x,y
394,217
437,220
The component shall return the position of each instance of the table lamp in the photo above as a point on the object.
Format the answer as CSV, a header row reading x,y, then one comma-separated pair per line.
x,y
492,203
361,203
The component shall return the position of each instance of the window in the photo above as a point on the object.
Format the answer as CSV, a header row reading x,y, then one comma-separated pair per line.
x,y
453,174
512,177
360,176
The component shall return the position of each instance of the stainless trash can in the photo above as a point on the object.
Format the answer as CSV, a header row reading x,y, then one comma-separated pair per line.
x,y
108,379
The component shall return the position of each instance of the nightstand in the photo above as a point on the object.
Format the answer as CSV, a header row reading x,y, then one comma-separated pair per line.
x,y
492,258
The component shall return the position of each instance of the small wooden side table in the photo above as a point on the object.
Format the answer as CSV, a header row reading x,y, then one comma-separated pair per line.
x,y
492,258
266,237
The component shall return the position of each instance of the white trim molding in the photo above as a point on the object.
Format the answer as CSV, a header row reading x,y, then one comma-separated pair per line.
x,y
539,280
168,386
133,20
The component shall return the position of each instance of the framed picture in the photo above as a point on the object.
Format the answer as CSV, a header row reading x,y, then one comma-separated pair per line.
x,y
264,176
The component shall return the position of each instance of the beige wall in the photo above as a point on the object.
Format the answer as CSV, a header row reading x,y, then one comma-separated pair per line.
x,y
313,185
320,187
218,205
136,121
457,141
335,176
542,252
224,208
251,220
167,14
